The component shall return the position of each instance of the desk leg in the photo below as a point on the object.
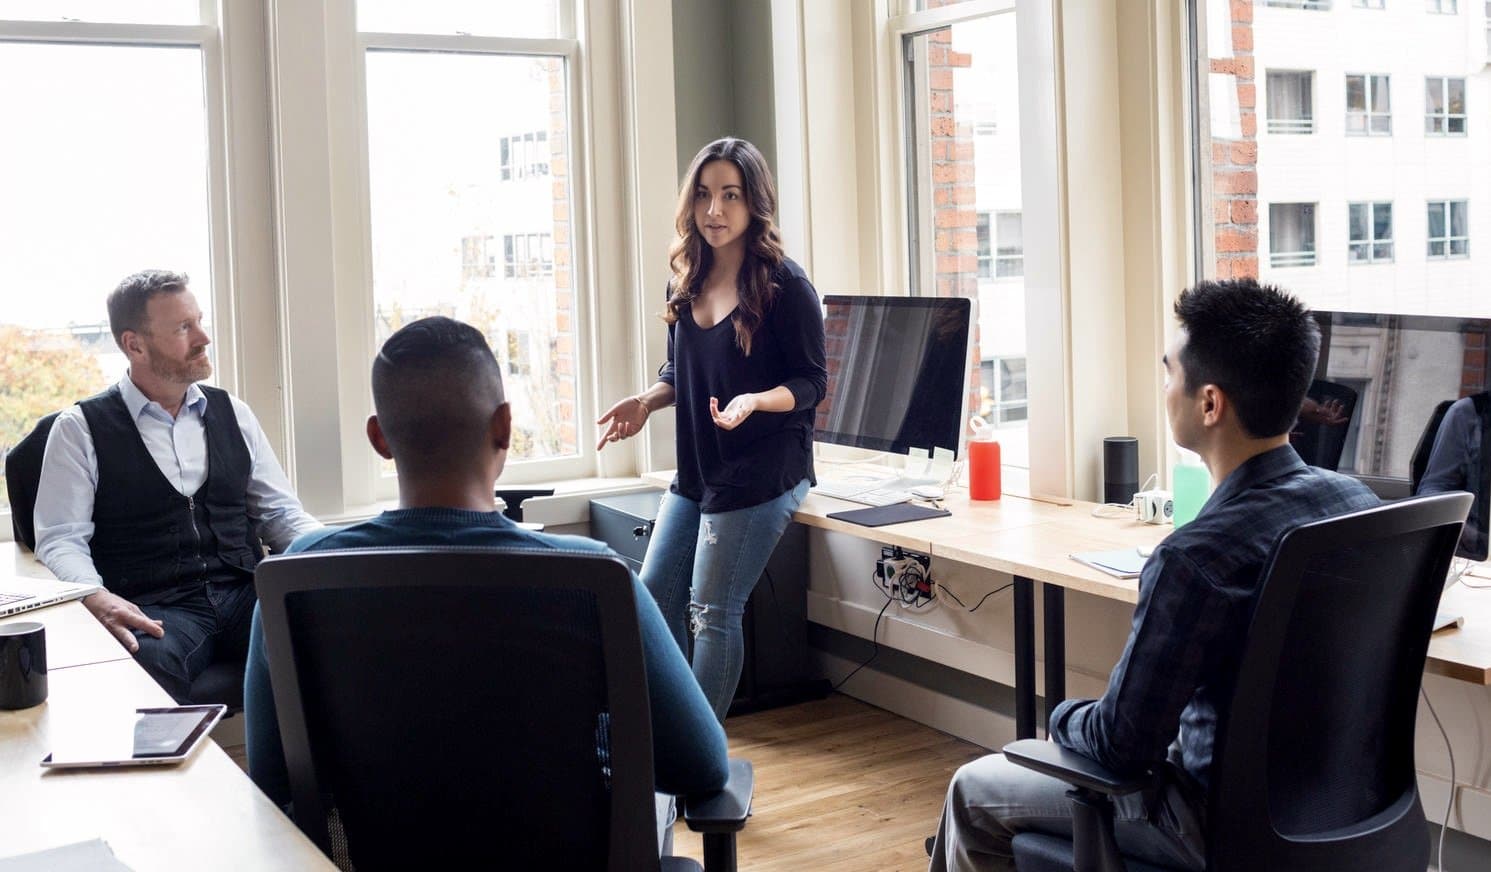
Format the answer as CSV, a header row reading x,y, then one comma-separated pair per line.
x,y
1024,658
1055,607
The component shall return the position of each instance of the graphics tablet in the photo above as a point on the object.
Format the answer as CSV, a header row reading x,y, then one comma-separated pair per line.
x,y
144,737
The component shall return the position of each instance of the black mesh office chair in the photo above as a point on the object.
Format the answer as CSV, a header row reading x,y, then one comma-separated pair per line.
x,y
448,704
1313,768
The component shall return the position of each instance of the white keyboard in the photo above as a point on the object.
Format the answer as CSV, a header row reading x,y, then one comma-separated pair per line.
x,y
885,492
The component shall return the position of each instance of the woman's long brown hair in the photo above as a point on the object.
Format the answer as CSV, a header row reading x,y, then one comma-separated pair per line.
x,y
690,257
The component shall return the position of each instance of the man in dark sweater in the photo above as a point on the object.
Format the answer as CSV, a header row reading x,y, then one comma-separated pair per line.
x,y
442,418
1235,376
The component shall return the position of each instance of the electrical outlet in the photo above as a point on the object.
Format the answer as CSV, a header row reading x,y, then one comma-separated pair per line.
x,y
905,577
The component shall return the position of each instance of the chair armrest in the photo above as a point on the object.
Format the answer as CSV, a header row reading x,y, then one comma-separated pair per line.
x,y
725,810
1049,758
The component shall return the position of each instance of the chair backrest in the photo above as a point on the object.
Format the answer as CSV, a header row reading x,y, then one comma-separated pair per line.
x,y
23,475
1321,444
464,705
1418,465
1314,758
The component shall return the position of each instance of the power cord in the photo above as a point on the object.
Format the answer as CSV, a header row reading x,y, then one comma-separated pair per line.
x,y
945,590
1449,803
874,640
1117,511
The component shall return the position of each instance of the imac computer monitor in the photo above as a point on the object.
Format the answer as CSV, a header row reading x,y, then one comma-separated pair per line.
x,y
897,372
1401,402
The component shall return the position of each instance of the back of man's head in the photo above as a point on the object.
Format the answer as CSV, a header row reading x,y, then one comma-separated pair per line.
x,y
436,387
128,301
1255,342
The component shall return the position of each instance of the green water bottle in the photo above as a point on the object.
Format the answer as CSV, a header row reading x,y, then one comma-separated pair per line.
x,y
1192,485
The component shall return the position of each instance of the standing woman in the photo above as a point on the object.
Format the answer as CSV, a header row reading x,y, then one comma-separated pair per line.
x,y
746,369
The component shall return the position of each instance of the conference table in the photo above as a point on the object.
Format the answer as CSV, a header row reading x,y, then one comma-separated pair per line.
x,y
1031,537
202,814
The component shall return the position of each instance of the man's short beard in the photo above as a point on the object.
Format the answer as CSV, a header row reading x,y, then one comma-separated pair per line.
x,y
185,372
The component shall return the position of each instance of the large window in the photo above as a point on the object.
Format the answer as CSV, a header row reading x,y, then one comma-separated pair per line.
x,y
1368,105
451,190
95,185
966,239
1444,106
1365,215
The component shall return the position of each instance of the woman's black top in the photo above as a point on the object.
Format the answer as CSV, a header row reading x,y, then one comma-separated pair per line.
x,y
770,452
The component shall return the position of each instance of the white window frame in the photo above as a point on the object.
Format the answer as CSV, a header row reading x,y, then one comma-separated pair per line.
x,y
566,48
1442,7
1367,113
1372,241
1446,116
1369,4
1446,208
241,253
1289,126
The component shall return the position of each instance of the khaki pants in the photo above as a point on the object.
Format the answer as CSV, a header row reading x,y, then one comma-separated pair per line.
x,y
991,800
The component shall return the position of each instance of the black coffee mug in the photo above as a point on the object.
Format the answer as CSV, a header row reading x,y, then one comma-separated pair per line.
x,y
23,665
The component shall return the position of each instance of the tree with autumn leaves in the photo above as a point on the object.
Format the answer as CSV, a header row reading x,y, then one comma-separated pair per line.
x,y
40,373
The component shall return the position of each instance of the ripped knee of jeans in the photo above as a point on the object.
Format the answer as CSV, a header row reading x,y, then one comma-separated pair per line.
x,y
710,537
699,616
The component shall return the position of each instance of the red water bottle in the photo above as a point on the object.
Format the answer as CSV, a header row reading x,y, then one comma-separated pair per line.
x,y
983,462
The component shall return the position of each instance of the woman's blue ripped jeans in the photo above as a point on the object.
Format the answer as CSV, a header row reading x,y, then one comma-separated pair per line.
x,y
701,569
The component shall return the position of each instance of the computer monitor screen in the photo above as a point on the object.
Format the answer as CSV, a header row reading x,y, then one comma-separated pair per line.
x,y
1403,398
897,372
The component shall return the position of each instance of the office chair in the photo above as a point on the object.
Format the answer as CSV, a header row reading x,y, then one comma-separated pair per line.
x,y
1320,445
1313,765
453,706
23,475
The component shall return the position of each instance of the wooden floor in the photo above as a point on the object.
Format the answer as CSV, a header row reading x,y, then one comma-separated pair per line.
x,y
840,785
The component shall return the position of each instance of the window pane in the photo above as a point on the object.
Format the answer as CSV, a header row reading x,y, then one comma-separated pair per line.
x,y
433,181
104,11
1356,94
1382,221
1358,221
1436,220
538,19
1434,95
92,192
1457,218
1380,94
1457,96
1382,251
966,102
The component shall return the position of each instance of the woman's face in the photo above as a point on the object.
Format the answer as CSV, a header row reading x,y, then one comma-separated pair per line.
x,y
720,210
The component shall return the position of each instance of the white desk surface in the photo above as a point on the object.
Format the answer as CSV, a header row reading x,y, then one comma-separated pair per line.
x,y
203,814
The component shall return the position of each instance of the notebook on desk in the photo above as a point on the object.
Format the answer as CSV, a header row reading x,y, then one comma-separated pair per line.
x,y
1122,563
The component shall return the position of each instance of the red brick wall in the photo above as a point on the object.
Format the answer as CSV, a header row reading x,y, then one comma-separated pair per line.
x,y
1234,162
563,350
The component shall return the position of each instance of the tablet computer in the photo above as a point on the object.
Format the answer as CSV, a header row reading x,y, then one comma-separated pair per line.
x,y
144,737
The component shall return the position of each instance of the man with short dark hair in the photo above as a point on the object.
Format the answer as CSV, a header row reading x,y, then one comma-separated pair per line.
x,y
441,416
161,489
1235,376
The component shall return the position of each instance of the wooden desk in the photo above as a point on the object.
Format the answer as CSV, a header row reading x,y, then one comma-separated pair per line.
x,y
204,813
1031,539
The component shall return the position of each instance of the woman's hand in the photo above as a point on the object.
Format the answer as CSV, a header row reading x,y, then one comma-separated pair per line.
x,y
735,413
625,419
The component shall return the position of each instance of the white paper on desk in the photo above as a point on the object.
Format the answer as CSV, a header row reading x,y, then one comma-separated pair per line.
x,y
1123,563
94,856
